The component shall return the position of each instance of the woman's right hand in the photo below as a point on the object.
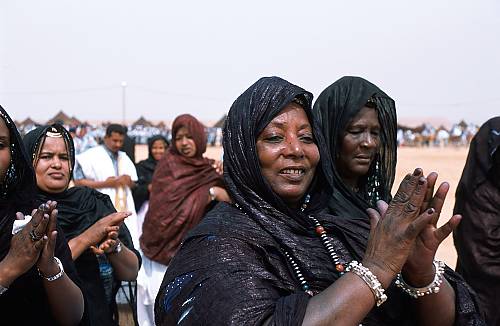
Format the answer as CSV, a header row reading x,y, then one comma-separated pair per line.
x,y
393,235
95,234
27,244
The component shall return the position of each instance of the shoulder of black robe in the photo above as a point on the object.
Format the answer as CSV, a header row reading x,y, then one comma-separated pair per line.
x,y
334,109
477,238
479,163
231,268
17,192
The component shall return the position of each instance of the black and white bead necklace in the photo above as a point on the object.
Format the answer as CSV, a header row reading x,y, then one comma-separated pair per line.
x,y
320,231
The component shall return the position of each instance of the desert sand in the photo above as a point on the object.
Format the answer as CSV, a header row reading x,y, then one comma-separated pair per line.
x,y
447,162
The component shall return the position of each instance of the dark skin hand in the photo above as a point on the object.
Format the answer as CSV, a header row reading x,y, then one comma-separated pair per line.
x,y
24,252
64,297
391,241
125,262
418,270
95,234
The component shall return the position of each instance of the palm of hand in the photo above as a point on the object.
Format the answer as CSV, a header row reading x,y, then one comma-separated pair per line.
x,y
424,249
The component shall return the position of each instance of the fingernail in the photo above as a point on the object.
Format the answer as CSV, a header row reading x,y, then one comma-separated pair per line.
x,y
417,172
430,211
421,180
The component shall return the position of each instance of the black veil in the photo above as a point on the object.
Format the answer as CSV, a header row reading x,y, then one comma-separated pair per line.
x,y
334,109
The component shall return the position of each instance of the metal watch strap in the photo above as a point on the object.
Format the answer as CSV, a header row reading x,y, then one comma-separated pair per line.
x,y
3,289
117,249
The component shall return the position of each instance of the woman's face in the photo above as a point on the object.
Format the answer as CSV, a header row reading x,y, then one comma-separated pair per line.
x,y
184,142
359,146
52,168
4,149
158,149
287,154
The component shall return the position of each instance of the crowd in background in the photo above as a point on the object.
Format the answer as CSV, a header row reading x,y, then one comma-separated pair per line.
x,y
426,135
297,224
87,135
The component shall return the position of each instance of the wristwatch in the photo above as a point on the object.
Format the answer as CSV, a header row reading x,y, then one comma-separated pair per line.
x,y
117,249
211,192
3,289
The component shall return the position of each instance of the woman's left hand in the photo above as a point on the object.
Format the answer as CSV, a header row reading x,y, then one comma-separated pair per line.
x,y
108,245
419,270
46,263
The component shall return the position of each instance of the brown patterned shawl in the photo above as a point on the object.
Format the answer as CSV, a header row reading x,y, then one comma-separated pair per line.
x,y
179,194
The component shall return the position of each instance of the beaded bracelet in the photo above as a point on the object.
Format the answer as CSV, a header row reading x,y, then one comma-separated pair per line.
x,y
58,275
433,287
371,280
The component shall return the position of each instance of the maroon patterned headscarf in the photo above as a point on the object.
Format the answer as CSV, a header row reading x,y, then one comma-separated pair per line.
x,y
179,194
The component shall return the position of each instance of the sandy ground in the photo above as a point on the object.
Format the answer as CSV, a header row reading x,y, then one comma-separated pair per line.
x,y
447,162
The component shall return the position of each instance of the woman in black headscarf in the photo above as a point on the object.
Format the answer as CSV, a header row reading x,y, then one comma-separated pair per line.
x,y
477,238
47,296
274,257
95,231
145,169
358,121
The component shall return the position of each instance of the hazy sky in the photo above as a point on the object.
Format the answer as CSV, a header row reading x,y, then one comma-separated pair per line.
x,y
435,58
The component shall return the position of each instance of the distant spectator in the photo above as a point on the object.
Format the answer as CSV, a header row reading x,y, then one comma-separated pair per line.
x,y
110,171
128,145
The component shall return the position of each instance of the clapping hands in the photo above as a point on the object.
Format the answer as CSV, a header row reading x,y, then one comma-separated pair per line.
x,y
102,236
404,234
35,243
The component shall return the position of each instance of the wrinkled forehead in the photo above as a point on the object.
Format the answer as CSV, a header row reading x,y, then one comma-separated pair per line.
x,y
292,115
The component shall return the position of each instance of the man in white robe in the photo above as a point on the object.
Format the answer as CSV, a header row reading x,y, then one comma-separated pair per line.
x,y
110,171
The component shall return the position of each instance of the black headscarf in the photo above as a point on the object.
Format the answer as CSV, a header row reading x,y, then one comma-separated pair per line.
x,y
242,172
334,108
18,188
145,170
78,209
232,269
477,237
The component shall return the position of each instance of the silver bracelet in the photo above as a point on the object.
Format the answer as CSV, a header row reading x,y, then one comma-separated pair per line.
x,y
433,287
371,280
58,275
